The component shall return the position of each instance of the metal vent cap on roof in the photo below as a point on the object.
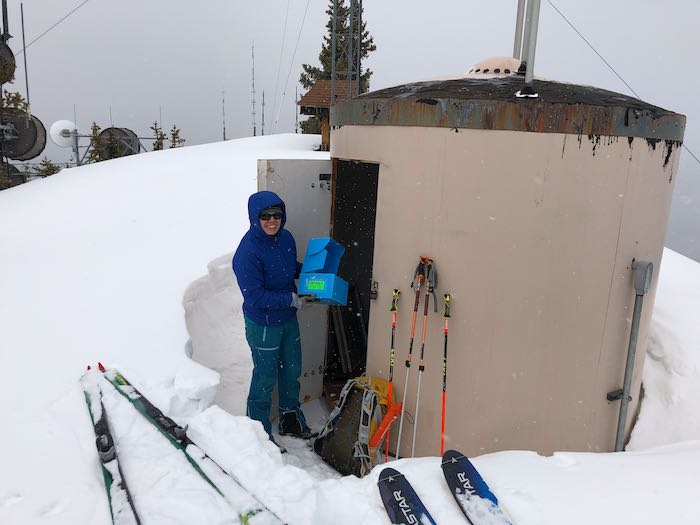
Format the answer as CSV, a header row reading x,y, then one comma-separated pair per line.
x,y
495,67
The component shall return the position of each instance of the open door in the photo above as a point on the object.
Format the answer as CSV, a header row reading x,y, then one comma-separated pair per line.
x,y
354,210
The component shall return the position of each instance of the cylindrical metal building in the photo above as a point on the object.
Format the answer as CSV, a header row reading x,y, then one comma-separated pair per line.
x,y
533,210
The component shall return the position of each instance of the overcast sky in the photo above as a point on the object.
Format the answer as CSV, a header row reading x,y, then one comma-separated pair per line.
x,y
174,58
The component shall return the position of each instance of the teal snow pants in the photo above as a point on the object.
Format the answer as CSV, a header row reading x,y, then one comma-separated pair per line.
x,y
276,361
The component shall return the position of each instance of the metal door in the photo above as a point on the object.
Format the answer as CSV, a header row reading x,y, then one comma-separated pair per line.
x,y
305,187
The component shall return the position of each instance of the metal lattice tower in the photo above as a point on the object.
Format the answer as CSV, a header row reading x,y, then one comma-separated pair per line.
x,y
252,95
347,30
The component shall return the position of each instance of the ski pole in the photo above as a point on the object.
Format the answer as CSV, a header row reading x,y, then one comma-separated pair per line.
x,y
392,354
447,298
421,366
417,283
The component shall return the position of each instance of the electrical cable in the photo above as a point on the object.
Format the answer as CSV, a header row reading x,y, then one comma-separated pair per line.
x,y
291,64
609,66
54,25
279,62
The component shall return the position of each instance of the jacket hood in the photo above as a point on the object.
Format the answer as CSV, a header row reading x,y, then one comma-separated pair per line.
x,y
259,201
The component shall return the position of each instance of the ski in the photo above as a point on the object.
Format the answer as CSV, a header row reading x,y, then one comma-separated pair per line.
x,y
401,502
121,505
475,499
178,437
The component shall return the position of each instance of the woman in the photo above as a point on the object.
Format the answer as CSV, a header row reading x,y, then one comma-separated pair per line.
x,y
266,265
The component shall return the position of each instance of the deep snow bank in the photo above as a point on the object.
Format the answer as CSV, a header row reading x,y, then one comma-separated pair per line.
x,y
95,261
214,318
670,410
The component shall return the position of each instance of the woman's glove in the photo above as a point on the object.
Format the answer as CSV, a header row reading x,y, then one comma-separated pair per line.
x,y
296,302
302,302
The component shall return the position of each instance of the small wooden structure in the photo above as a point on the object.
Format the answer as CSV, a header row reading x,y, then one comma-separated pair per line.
x,y
317,102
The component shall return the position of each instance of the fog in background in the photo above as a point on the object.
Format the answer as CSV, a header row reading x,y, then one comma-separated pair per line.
x,y
173,58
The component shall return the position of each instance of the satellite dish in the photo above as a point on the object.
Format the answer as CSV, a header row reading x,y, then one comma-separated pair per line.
x,y
7,63
61,133
26,131
119,142
40,143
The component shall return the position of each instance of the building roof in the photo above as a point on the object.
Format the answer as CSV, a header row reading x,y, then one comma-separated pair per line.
x,y
491,103
319,96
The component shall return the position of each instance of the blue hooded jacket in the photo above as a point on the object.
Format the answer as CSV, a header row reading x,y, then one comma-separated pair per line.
x,y
266,266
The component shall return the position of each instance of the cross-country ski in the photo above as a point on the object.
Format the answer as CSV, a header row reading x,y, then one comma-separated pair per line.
x,y
121,505
249,509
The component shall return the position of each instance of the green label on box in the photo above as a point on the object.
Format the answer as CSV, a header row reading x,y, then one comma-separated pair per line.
x,y
316,285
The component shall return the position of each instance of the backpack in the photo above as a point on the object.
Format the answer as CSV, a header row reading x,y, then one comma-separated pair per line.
x,y
344,441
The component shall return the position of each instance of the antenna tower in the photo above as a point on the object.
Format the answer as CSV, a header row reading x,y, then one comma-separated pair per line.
x,y
22,135
253,90
262,124
223,112
346,38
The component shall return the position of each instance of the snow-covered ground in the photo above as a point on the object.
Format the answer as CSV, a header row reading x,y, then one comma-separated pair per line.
x,y
95,264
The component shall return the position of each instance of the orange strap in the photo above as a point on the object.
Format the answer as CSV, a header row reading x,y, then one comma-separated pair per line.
x,y
383,428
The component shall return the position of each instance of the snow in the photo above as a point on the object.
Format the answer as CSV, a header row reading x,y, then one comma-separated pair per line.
x,y
127,262
672,372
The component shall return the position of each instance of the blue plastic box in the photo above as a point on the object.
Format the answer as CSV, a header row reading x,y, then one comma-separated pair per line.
x,y
318,273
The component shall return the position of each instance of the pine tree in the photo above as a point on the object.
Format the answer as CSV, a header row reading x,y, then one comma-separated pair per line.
x,y
4,181
14,100
175,140
96,149
112,147
313,73
10,176
46,168
159,137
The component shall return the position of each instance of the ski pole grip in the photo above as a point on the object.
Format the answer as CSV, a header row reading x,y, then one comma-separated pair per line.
x,y
395,299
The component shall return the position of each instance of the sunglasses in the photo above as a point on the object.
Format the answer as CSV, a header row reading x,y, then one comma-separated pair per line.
x,y
267,216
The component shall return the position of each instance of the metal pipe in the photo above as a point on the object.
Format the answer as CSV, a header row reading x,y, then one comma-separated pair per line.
x,y
334,58
642,275
349,50
517,45
76,150
5,23
358,48
24,53
532,43
527,31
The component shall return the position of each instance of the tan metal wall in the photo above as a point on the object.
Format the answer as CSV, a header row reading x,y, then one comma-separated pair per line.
x,y
533,234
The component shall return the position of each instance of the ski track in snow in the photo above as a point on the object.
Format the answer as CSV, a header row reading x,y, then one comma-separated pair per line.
x,y
10,499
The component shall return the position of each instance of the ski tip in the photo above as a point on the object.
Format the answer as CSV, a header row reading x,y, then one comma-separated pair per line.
x,y
388,474
452,455
101,367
